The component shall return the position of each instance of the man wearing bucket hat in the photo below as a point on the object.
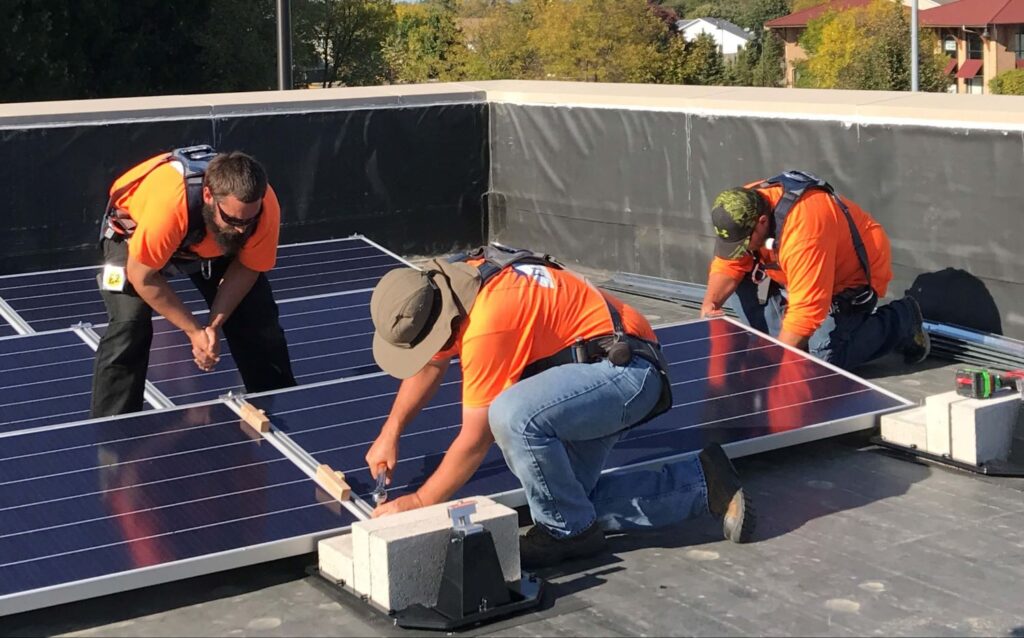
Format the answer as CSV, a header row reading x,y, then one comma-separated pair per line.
x,y
554,371
808,266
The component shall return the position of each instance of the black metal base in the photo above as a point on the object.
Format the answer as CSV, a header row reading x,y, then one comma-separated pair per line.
x,y
524,596
992,468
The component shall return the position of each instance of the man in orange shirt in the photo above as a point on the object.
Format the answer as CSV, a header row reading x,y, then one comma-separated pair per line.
x,y
554,371
808,267
215,218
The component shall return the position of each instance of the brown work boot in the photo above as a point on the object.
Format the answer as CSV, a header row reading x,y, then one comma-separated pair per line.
x,y
538,548
726,499
920,345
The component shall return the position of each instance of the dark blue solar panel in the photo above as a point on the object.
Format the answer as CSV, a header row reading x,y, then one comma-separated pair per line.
x,y
58,299
6,330
44,379
328,268
328,338
729,385
107,497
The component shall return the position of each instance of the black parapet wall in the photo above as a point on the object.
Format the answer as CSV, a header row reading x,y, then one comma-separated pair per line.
x,y
630,188
410,176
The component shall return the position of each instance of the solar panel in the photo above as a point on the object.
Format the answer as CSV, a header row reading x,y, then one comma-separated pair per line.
x,y
60,298
731,385
114,504
45,378
328,338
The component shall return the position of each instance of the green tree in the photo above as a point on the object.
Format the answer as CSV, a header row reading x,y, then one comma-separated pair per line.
x,y
600,40
502,48
704,61
427,43
867,48
770,69
1008,83
238,46
344,39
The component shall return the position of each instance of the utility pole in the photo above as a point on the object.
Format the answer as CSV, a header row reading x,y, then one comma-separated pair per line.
x,y
284,45
915,62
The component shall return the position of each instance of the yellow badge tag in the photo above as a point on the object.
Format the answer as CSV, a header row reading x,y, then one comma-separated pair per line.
x,y
113,278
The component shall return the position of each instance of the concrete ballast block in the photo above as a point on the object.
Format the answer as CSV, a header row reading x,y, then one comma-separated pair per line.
x,y
398,560
907,428
335,556
982,429
937,412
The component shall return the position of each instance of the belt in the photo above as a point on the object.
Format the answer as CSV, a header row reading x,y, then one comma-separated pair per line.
x,y
598,349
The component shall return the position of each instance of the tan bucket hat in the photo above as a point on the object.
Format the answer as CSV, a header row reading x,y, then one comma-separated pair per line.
x,y
415,312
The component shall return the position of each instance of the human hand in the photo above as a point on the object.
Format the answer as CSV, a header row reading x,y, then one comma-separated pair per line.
x,y
400,504
383,456
205,358
214,337
709,309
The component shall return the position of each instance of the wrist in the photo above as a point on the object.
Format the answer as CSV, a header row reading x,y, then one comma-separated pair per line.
x,y
420,499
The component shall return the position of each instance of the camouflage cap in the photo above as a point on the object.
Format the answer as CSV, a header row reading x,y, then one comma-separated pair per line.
x,y
734,214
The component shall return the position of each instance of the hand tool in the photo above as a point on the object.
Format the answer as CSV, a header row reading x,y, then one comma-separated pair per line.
x,y
380,493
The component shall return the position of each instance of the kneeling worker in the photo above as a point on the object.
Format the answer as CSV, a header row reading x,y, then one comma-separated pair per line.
x,y
808,267
215,218
555,371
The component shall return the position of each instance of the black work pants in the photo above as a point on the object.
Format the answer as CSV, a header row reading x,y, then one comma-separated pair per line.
x,y
253,332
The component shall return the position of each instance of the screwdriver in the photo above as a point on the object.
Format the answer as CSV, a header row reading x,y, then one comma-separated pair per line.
x,y
380,493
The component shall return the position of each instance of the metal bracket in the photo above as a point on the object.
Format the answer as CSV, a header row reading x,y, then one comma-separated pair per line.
x,y
460,513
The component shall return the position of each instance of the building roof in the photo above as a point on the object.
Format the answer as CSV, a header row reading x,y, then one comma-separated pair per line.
x,y
801,18
718,23
974,13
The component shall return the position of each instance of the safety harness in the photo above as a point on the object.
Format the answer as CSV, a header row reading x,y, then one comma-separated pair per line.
x,y
795,184
118,224
618,348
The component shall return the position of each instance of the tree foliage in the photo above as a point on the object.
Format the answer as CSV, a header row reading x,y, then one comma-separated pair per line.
x,y
867,48
427,43
599,40
343,39
1008,83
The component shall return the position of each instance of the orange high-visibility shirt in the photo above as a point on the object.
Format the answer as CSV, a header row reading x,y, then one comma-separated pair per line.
x,y
816,257
527,313
159,207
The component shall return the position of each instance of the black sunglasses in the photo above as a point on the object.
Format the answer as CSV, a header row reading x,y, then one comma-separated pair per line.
x,y
230,220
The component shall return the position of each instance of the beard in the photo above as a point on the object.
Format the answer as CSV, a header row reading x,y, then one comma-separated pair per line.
x,y
230,241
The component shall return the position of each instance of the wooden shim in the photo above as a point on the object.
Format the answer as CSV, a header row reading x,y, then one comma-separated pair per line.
x,y
254,418
333,482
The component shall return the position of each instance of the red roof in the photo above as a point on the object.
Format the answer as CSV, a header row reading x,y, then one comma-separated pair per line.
x,y
801,18
969,69
974,13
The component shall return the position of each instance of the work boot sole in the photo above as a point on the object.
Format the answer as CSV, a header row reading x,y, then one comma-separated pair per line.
x,y
918,352
740,520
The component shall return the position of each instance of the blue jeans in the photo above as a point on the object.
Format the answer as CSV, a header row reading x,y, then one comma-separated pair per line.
x,y
556,429
847,340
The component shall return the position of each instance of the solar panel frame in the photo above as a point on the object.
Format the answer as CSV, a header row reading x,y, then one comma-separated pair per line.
x,y
358,476
20,601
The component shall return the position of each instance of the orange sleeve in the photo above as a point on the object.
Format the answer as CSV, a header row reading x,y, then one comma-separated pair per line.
x,y
807,255
735,269
260,251
159,208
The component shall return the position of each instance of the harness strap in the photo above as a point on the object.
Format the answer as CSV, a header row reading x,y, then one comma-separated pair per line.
x,y
794,185
194,160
